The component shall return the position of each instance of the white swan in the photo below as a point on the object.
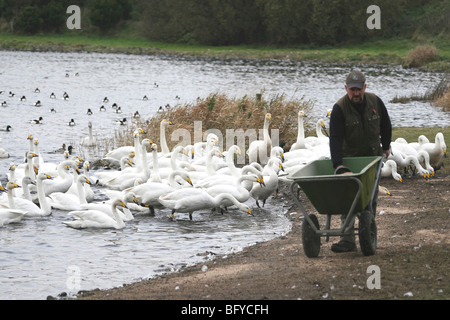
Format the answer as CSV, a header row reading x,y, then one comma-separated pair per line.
x,y
162,134
201,149
68,201
88,192
64,179
8,216
149,192
124,151
197,175
106,206
300,143
259,150
424,160
89,141
125,164
189,200
260,192
320,139
229,159
436,150
29,207
406,161
4,154
26,181
96,218
389,168
155,175
421,140
127,179
237,190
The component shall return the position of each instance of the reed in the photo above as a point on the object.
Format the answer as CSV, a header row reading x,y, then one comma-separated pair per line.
x,y
218,112
433,94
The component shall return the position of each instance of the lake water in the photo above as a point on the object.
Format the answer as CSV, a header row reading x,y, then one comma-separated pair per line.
x,y
41,257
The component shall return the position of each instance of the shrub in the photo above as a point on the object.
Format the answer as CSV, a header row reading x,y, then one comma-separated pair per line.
x,y
29,20
420,56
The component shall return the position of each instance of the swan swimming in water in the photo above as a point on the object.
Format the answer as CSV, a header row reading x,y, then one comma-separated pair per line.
x,y
92,218
28,206
68,201
89,141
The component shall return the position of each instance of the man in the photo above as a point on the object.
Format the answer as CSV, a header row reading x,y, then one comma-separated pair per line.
x,y
359,126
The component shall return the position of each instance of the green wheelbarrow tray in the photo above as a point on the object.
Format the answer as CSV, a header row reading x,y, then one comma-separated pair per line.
x,y
333,194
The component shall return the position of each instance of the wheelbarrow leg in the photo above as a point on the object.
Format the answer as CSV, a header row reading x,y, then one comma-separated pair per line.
x,y
327,227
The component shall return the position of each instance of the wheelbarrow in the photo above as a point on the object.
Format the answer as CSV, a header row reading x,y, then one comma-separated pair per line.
x,y
354,194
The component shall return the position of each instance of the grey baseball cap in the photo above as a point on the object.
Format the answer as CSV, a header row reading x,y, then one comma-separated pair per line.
x,y
355,80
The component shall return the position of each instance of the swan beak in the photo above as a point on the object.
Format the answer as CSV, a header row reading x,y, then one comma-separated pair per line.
x,y
445,153
261,181
249,212
2,189
400,179
281,167
131,162
123,204
88,181
171,123
282,157
189,181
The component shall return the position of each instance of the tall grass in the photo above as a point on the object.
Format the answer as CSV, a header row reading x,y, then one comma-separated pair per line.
x,y
218,112
420,56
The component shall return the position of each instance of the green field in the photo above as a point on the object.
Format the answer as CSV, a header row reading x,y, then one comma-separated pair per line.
x,y
380,52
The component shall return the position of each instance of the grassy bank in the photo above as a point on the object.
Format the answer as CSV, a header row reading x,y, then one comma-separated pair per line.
x,y
378,52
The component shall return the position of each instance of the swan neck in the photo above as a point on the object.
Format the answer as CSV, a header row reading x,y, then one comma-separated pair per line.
x,y
41,197
162,133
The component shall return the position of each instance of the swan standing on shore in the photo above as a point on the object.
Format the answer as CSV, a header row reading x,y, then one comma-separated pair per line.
x,y
436,150
389,168
300,143
189,200
262,193
259,150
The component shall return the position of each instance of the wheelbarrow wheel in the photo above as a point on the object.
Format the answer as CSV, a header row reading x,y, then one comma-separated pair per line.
x,y
311,241
367,233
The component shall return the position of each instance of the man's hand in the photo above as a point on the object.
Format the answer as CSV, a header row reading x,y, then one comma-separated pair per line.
x,y
342,170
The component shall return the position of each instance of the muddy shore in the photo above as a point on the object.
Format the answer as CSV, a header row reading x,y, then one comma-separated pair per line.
x,y
412,256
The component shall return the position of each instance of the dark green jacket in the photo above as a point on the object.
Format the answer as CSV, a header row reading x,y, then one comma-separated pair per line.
x,y
362,131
